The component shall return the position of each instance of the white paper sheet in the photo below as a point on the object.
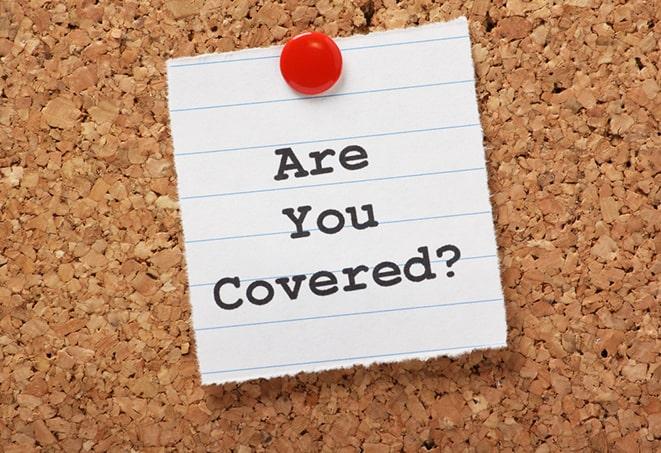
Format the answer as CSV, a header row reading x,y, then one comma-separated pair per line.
x,y
407,97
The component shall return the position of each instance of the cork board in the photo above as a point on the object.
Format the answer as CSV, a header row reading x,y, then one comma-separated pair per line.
x,y
95,343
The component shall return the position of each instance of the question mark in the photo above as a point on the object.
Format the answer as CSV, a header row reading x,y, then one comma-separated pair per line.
x,y
456,255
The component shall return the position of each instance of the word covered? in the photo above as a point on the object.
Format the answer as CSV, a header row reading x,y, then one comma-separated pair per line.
x,y
325,283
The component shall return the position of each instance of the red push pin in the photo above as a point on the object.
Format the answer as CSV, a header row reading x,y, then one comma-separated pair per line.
x,y
311,63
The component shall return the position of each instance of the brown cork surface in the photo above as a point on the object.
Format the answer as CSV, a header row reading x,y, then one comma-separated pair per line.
x,y
95,343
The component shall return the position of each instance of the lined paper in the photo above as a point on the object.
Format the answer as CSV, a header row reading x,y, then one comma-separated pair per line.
x,y
407,97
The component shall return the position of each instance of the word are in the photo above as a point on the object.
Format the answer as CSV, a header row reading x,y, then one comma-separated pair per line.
x,y
353,157
325,283
329,221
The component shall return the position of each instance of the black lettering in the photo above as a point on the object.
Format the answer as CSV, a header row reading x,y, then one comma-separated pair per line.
x,y
351,273
291,292
330,230
353,153
216,293
426,265
298,221
256,284
321,279
456,254
319,156
288,154
384,270
370,217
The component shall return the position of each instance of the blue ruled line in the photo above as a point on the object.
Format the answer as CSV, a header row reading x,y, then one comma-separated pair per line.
x,y
244,236
357,313
322,140
321,96
273,277
355,181
347,49
384,222
344,359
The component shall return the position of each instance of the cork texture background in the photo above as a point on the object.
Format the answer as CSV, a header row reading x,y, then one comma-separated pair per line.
x,y
96,349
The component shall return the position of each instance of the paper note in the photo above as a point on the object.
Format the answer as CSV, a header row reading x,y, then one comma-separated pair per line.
x,y
346,228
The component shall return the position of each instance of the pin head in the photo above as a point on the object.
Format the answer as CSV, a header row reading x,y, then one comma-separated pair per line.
x,y
311,63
